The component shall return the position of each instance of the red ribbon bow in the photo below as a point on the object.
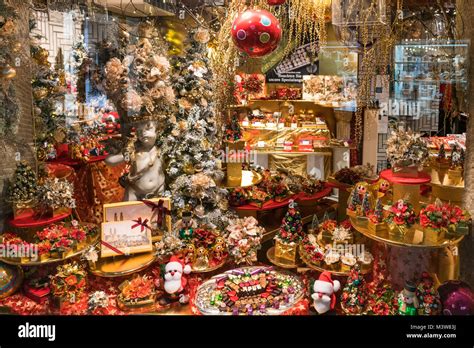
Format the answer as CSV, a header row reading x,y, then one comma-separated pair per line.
x,y
162,210
143,224
111,247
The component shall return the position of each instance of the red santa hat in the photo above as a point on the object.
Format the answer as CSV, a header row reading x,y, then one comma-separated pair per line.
x,y
326,285
186,268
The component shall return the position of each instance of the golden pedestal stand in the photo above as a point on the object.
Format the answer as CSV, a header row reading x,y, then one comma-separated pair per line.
x,y
443,253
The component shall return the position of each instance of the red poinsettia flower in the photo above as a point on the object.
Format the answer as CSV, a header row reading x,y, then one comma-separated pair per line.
x,y
71,280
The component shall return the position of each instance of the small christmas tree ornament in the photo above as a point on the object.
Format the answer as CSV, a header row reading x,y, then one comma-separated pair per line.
x,y
407,300
23,192
290,234
428,296
354,295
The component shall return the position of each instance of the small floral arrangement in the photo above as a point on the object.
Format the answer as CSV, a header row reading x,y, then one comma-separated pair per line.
x,y
97,299
139,288
401,213
243,239
365,171
312,249
69,281
311,186
252,84
203,237
405,148
341,234
347,176
238,197
328,226
55,193
258,196
436,215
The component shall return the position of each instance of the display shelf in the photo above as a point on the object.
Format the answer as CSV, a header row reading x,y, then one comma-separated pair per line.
x,y
271,204
32,222
302,101
281,262
17,261
412,239
118,266
422,178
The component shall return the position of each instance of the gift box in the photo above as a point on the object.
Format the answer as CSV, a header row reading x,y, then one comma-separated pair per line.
x,y
286,251
305,145
22,210
434,235
455,176
377,228
39,294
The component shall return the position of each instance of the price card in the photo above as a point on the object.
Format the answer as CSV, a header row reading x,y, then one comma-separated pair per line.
x,y
245,123
261,144
294,126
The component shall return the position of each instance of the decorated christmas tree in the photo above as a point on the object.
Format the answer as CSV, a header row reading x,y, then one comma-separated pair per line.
x,y
354,295
291,229
48,94
190,144
233,131
366,204
24,186
378,212
382,299
354,201
428,296
441,153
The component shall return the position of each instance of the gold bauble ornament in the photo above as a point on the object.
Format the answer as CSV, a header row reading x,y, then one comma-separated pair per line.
x,y
188,168
41,154
40,93
199,210
17,47
7,72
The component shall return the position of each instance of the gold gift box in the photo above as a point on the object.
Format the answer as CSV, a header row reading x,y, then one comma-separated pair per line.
x,y
377,227
23,209
433,235
455,176
286,251
234,174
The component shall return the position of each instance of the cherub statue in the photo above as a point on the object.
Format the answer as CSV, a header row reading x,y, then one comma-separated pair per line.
x,y
146,178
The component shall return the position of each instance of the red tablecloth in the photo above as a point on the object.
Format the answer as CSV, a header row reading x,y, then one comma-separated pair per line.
x,y
422,178
32,222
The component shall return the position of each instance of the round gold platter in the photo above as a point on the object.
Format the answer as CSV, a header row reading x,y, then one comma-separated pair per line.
x,y
122,265
249,178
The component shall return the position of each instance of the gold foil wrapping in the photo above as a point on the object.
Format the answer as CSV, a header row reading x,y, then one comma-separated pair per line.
x,y
286,251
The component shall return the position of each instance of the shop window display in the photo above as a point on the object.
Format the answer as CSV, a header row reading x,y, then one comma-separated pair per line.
x,y
211,159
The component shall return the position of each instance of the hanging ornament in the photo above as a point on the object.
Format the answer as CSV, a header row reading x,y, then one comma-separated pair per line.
x,y
188,168
7,72
275,2
199,210
256,32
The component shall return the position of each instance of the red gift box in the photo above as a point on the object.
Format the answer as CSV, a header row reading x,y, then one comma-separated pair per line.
x,y
39,295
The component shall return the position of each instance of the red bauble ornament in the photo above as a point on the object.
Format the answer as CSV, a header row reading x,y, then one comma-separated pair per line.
x,y
256,32
275,2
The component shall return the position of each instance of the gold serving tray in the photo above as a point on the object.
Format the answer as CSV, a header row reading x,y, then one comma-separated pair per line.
x,y
407,239
336,271
249,178
17,261
118,266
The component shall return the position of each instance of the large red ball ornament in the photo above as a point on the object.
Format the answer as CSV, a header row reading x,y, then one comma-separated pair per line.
x,y
275,2
256,32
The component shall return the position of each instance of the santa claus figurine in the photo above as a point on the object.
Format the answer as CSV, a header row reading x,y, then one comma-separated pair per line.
x,y
175,282
324,299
